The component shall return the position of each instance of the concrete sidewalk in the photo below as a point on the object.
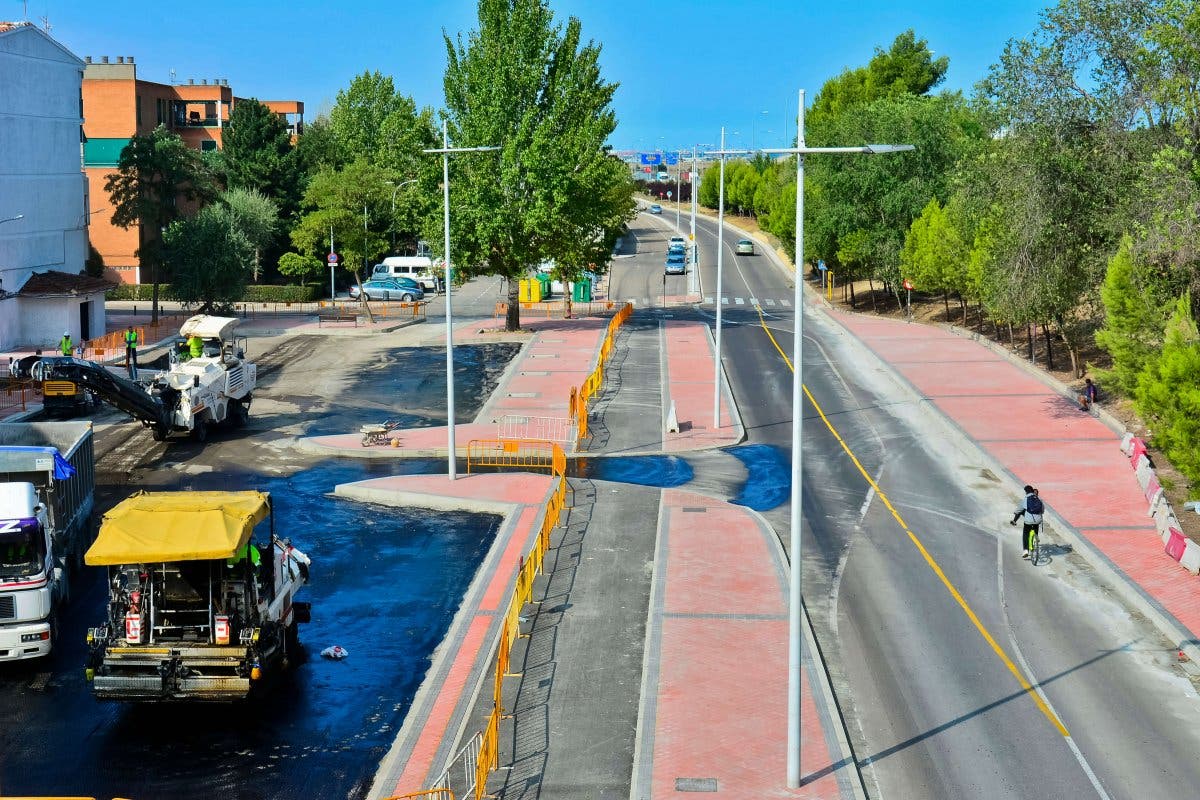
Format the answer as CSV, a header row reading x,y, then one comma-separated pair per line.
x,y
629,687
1039,436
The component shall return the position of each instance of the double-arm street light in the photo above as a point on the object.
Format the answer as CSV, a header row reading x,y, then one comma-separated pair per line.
x,y
794,601
720,273
12,219
445,151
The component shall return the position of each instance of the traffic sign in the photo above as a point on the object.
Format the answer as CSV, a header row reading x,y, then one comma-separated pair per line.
x,y
908,284
821,264
332,259
651,158
668,194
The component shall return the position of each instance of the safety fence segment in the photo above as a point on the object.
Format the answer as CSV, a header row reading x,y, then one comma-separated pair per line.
x,y
17,393
591,385
481,755
112,345
560,430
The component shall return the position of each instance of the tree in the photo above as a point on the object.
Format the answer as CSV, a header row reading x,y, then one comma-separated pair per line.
x,y
211,258
934,256
1168,392
359,115
256,216
154,172
317,148
301,267
1133,321
259,155
336,198
907,68
532,88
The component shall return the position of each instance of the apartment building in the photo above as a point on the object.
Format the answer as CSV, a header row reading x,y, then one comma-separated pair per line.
x,y
43,195
117,106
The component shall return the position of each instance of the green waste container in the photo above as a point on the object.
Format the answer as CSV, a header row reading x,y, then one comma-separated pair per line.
x,y
545,282
582,291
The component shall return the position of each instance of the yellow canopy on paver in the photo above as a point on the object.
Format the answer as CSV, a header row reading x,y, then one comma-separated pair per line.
x,y
177,526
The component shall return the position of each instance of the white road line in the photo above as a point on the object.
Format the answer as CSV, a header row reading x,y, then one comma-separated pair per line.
x,y
754,301
786,303
724,301
708,300
739,301
1033,679
862,511
769,302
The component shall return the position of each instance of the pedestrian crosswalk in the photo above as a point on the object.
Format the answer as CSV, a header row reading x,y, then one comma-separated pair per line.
x,y
766,302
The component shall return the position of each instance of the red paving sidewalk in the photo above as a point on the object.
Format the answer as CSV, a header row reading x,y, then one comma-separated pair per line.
x,y
1042,438
690,379
714,713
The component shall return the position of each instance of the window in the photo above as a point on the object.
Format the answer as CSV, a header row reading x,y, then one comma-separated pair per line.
x,y
208,144
160,110
137,102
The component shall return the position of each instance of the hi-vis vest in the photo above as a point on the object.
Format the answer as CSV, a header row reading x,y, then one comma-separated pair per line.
x,y
131,339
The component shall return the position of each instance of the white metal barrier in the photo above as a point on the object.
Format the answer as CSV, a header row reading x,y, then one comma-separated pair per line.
x,y
560,430
467,761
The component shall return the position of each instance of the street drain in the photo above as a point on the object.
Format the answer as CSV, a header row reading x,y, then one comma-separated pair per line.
x,y
695,784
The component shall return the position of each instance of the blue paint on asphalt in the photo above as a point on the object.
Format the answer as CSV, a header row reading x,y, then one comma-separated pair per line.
x,y
662,471
769,476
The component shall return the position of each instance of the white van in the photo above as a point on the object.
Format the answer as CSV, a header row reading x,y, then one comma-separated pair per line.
x,y
421,269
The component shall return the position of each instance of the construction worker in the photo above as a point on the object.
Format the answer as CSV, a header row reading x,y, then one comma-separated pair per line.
x,y
65,346
246,550
131,343
196,346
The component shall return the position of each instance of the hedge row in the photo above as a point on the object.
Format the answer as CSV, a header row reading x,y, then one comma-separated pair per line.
x,y
256,293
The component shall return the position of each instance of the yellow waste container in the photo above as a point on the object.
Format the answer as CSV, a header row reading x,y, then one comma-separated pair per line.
x,y
530,291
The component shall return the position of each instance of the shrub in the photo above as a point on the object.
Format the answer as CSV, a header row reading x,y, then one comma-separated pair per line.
x,y
257,293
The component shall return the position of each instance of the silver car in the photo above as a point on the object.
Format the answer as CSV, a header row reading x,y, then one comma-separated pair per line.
x,y
745,247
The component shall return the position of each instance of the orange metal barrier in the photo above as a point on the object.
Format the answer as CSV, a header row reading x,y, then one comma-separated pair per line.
x,y
504,453
429,794
17,393
592,384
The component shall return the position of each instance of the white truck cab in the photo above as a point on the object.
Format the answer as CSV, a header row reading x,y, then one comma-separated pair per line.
x,y
28,579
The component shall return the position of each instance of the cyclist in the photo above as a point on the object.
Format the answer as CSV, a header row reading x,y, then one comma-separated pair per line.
x,y
1032,509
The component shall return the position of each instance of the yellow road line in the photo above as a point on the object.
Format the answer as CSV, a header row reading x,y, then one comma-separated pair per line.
x,y
929,559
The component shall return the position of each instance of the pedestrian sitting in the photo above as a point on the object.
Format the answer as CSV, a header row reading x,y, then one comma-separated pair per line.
x,y
1089,396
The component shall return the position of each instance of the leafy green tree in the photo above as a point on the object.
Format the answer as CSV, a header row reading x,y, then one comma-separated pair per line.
x,y
211,258
908,67
302,267
710,186
336,198
154,172
534,89
935,257
317,148
360,112
257,217
259,155
1168,392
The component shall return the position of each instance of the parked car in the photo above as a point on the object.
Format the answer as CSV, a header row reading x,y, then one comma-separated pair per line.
x,y
676,241
403,289
745,247
655,208
676,263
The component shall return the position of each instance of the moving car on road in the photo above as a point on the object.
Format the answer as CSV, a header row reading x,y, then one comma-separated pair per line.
x,y
676,263
655,208
745,247
676,241
403,289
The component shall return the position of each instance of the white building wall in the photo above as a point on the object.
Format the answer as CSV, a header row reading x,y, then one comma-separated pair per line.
x,y
41,174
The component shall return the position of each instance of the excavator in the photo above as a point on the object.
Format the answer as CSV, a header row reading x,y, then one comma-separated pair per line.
x,y
190,396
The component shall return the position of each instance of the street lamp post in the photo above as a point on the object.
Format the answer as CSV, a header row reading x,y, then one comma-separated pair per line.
x,y
12,219
445,151
695,247
720,277
394,190
794,600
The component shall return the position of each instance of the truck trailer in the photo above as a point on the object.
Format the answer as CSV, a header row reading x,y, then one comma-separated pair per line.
x,y
47,485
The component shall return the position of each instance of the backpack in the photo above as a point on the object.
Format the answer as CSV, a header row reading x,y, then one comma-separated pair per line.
x,y
1034,505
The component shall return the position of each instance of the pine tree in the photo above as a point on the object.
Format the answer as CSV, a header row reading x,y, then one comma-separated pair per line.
x,y
1133,324
1168,392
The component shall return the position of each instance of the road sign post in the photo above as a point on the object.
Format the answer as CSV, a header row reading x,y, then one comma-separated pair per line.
x,y
332,259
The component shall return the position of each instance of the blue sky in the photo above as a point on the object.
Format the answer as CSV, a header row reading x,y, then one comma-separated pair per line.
x,y
685,68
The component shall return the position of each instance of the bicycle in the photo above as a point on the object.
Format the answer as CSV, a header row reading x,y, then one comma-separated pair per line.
x,y
1035,546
